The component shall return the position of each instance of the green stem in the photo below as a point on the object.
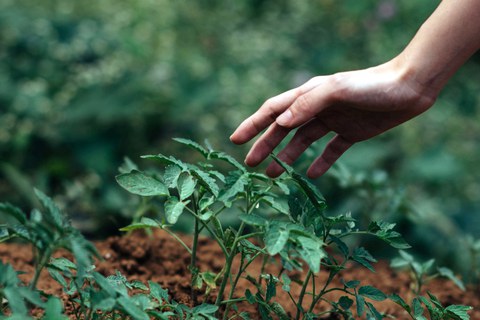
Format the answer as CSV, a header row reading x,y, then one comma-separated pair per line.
x,y
302,295
233,286
193,261
43,261
177,238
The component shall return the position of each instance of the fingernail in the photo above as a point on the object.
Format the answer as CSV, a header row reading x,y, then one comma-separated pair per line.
x,y
285,118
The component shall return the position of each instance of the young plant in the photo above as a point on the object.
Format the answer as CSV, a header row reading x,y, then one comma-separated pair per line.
x,y
282,218
422,272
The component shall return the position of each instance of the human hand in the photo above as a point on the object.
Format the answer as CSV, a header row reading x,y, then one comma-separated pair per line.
x,y
356,105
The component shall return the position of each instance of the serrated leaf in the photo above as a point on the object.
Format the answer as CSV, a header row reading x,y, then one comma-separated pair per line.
x,y
194,145
54,213
62,264
254,220
417,307
171,174
250,298
275,238
136,284
447,273
166,160
235,188
106,304
173,209
458,311
14,212
131,309
280,206
398,300
279,311
372,293
206,181
158,292
185,185
139,183
341,246
205,308
311,251
363,257
227,158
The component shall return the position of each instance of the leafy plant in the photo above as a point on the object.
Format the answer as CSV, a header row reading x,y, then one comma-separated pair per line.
x,y
422,272
283,218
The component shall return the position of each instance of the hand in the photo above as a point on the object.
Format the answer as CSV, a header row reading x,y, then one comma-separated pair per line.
x,y
356,105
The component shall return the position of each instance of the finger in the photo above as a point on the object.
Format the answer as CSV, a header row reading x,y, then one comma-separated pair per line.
x,y
266,144
306,106
334,149
269,111
303,138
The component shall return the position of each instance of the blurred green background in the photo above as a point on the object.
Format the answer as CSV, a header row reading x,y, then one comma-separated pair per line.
x,y
85,83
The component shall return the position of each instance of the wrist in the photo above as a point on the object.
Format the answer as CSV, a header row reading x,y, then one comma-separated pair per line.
x,y
413,74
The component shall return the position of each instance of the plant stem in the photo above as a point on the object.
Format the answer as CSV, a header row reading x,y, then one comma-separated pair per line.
x,y
302,295
178,239
43,261
193,261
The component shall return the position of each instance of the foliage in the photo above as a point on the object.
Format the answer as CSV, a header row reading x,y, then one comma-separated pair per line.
x,y
298,231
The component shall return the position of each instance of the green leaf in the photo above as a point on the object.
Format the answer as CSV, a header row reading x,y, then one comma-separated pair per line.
x,y
171,175
341,246
13,212
194,145
131,309
158,292
205,308
398,300
458,312
185,185
374,311
345,302
311,251
275,238
227,158
173,209
372,293
206,181
137,182
363,257
279,311
106,304
166,160
54,213
280,206
351,284
15,300
417,307
271,289
360,301
62,264
143,224
234,187
127,165
286,282
54,309
254,220
447,273
250,298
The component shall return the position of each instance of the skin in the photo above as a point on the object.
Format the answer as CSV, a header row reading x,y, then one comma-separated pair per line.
x,y
358,105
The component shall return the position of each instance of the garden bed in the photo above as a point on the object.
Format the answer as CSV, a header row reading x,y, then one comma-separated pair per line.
x,y
159,258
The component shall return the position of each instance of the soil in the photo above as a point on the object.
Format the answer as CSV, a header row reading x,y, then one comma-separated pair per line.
x,y
161,259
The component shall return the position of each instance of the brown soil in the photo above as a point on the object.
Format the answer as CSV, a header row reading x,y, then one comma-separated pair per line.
x,y
159,258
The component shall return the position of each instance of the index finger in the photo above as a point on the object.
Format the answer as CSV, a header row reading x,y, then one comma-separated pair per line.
x,y
269,111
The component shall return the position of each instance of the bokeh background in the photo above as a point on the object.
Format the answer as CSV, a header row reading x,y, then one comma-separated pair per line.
x,y
85,83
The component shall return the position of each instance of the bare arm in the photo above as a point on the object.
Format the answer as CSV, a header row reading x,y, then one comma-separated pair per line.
x,y
358,105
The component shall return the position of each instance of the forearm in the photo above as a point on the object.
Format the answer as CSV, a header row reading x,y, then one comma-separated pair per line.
x,y
443,43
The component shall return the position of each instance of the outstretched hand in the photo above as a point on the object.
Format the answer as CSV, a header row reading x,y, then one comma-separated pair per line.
x,y
356,105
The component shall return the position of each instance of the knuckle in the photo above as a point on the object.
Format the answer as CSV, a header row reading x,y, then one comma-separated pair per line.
x,y
302,104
